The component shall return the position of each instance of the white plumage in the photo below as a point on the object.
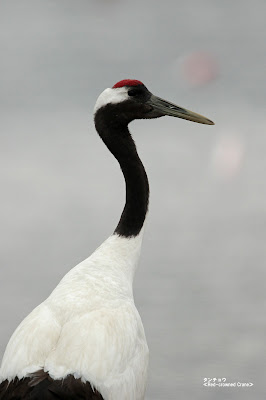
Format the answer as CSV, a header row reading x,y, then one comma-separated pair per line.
x,y
91,312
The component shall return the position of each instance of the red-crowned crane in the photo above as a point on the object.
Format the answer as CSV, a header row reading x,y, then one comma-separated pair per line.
x,y
86,340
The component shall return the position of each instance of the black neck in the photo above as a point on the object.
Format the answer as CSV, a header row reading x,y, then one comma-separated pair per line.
x,y
117,138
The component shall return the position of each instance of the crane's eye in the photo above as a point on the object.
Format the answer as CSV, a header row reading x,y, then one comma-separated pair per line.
x,y
134,92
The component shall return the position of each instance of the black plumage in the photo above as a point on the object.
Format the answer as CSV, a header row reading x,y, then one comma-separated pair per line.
x,y
40,386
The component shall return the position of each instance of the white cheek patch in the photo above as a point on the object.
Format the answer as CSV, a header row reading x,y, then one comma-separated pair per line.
x,y
111,96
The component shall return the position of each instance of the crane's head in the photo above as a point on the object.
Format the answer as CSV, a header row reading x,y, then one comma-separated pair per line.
x,y
129,99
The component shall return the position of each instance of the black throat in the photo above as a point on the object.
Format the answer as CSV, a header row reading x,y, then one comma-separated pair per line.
x,y
115,134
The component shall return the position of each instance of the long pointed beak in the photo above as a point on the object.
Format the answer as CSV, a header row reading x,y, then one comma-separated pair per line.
x,y
164,107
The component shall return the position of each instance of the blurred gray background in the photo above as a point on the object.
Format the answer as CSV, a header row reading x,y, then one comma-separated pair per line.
x,y
200,286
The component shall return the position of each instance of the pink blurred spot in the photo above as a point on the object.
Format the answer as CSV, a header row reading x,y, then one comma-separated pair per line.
x,y
227,157
199,68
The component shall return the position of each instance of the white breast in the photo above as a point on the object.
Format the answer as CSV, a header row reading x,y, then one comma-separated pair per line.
x,y
88,327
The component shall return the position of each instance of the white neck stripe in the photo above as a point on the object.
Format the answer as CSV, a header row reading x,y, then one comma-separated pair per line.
x,y
111,96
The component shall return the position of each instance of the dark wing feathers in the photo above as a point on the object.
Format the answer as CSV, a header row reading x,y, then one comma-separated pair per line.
x,y
40,386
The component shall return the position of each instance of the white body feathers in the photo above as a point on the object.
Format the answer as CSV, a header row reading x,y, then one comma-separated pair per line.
x,y
88,327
